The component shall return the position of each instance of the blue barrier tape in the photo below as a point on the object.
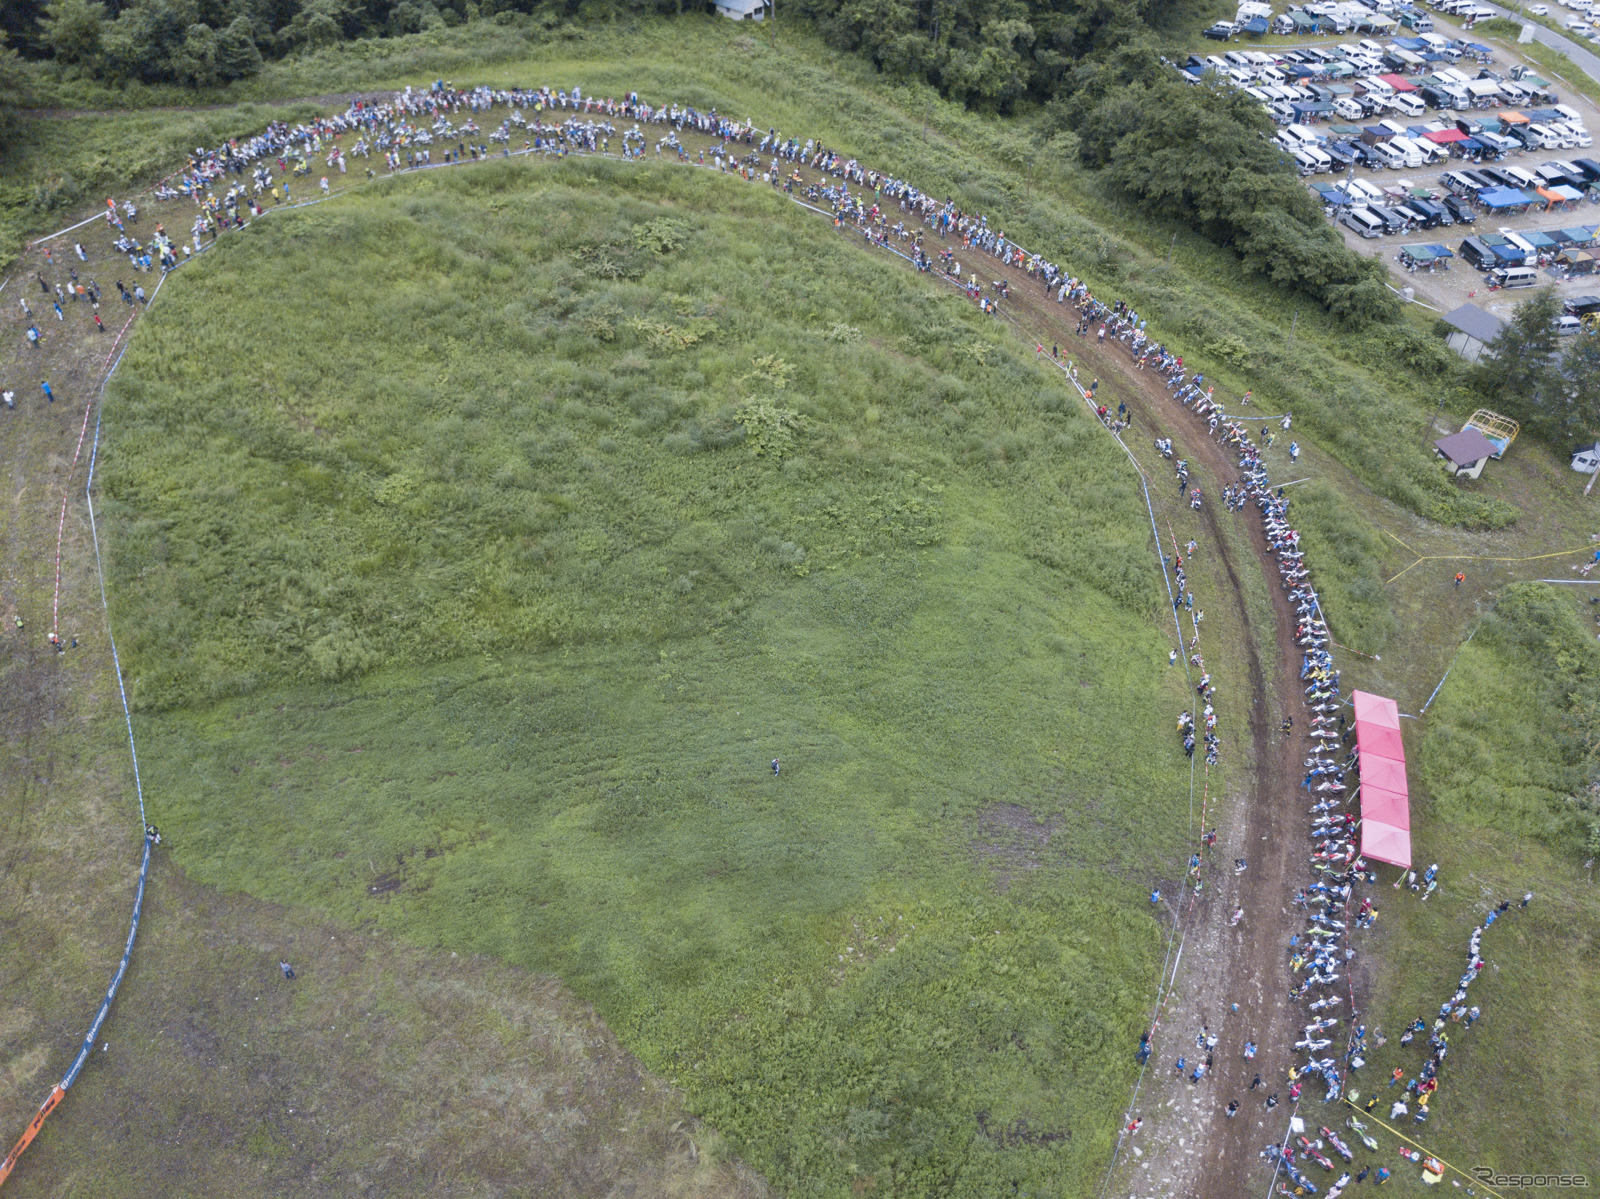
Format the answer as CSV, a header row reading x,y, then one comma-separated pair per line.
x,y
116,980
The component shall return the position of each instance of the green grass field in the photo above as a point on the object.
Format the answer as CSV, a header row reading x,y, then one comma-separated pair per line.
x,y
612,484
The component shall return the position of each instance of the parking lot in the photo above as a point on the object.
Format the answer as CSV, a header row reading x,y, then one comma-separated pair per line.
x,y
1456,282
1453,282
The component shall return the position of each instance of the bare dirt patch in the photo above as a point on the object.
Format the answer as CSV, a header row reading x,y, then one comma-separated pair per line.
x,y
1010,840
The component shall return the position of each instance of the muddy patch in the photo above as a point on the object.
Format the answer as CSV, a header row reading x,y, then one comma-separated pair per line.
x,y
1010,840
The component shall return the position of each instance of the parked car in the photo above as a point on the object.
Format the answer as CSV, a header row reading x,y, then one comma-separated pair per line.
x,y
1475,254
1221,31
1363,222
1540,10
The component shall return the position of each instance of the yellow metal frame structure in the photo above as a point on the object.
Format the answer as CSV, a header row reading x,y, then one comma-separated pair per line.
x,y
1495,427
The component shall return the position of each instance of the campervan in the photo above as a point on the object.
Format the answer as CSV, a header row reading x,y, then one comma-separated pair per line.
x,y
1514,276
1363,223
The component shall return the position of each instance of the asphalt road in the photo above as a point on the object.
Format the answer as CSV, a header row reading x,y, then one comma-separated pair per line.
x,y
1576,51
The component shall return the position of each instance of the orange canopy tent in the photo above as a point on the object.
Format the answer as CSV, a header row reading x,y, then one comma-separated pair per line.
x,y
1385,798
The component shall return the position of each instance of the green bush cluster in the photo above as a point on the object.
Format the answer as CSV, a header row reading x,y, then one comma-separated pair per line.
x,y
425,476
1514,737
1343,553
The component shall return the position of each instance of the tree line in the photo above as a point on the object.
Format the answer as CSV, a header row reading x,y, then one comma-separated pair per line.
x,y
1533,374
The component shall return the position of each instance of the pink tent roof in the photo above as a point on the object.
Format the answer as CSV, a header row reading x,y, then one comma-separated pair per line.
x,y
1383,772
1442,136
1385,796
1385,843
1376,709
1377,742
1389,807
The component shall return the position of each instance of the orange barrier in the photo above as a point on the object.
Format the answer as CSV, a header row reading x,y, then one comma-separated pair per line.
x,y
31,1131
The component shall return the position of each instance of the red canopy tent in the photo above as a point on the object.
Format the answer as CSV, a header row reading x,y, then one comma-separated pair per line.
x,y
1385,798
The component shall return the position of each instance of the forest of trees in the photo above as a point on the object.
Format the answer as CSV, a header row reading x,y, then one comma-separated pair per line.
x,y
1530,375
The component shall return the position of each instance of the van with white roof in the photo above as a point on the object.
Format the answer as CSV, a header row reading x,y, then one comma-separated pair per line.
x,y
1413,155
1363,223
1298,136
1407,103
1387,154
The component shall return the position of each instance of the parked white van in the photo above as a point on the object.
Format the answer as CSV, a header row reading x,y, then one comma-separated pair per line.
x,y
1413,155
1542,137
1515,276
1348,109
1407,103
1389,155
1297,136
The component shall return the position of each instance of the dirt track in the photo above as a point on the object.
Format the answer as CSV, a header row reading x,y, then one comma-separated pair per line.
x,y
1188,1146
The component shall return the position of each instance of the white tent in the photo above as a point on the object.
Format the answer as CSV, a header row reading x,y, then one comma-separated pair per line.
x,y
742,10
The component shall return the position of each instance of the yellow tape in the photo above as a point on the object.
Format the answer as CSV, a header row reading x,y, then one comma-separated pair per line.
x,y
1398,539
1582,549
1469,1177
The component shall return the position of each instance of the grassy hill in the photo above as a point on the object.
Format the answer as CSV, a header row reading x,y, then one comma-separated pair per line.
x,y
612,485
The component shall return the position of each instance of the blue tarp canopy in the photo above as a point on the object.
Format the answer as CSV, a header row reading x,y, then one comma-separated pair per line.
x,y
1536,239
1502,197
1256,25
1509,253
1470,143
1442,251
1410,43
